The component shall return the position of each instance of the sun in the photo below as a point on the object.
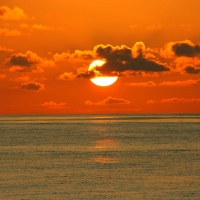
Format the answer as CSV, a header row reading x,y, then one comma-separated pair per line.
x,y
100,79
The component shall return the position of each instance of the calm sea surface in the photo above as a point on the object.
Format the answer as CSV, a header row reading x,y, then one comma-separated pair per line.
x,y
99,157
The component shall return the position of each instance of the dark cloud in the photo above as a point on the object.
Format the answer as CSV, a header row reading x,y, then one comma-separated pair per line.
x,y
186,49
28,62
89,74
21,60
192,70
32,86
110,53
134,64
121,59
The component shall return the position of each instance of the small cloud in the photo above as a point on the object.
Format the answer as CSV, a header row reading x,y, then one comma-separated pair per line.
x,y
28,62
179,48
142,84
41,27
12,14
189,82
2,76
22,79
67,76
88,103
187,27
186,48
166,51
52,104
108,101
189,65
179,100
192,70
59,57
32,86
154,27
8,32
36,27
4,49
34,69
78,54
150,102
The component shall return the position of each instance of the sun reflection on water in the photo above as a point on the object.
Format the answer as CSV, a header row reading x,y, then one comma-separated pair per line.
x,y
106,144
104,160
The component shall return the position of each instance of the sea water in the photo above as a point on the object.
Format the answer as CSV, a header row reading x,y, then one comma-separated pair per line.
x,y
52,157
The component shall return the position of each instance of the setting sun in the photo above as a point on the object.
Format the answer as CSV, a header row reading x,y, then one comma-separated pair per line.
x,y
100,79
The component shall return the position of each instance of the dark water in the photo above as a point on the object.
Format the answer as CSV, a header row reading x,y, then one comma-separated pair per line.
x,y
99,157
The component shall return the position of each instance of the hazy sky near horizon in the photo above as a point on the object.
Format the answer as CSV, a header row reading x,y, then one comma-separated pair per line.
x,y
47,46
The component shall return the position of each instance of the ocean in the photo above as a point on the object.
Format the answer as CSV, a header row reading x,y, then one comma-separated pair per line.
x,y
58,157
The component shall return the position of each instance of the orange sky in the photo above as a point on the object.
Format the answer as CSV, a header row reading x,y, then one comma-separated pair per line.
x,y
47,46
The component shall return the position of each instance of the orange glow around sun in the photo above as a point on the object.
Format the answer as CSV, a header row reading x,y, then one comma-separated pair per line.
x,y
101,80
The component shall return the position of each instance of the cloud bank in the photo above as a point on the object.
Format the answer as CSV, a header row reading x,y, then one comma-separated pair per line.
x,y
181,56
120,59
